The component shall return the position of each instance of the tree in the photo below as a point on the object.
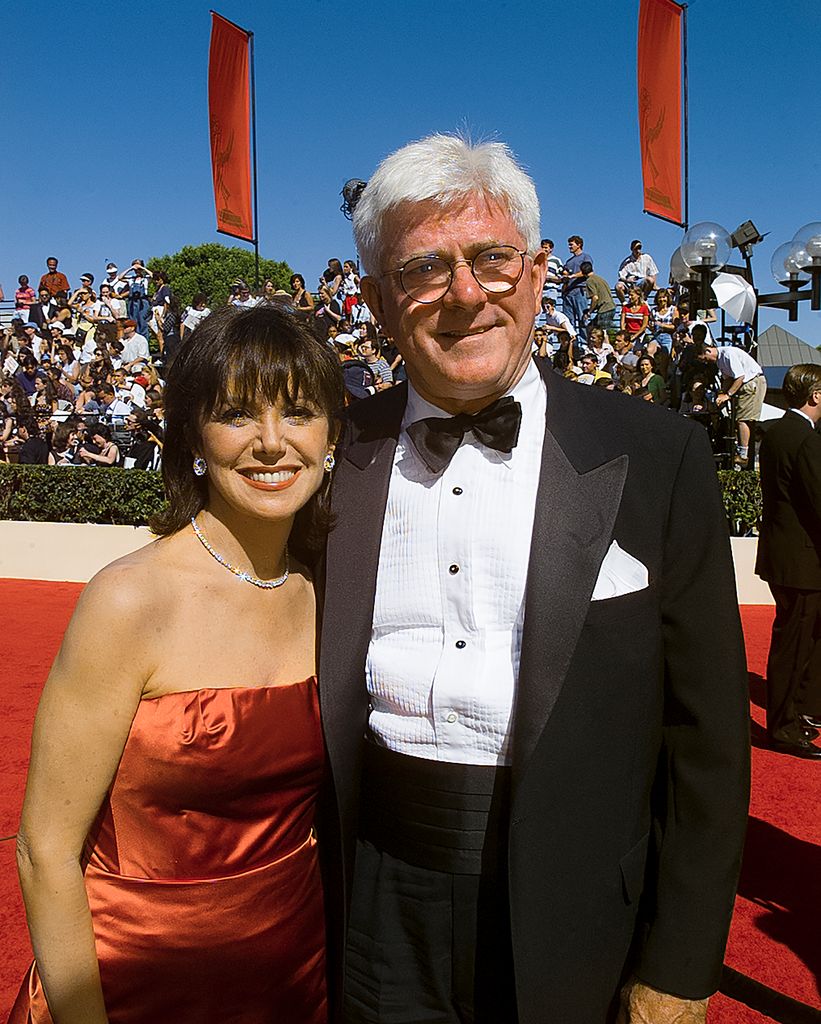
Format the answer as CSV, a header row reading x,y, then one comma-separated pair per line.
x,y
212,268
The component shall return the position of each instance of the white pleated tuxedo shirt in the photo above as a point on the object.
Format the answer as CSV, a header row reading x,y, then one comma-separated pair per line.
x,y
443,660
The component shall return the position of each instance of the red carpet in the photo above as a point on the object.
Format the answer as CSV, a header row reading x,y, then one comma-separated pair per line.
x,y
775,934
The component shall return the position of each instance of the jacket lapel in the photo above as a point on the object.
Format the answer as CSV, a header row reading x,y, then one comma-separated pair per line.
x,y
576,511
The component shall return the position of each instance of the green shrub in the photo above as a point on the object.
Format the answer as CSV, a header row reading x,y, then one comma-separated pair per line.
x,y
81,494
67,494
742,500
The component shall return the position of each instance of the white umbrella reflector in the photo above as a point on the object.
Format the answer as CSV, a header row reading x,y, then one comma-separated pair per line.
x,y
735,296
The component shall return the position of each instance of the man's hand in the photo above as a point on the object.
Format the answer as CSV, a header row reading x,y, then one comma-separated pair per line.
x,y
641,1004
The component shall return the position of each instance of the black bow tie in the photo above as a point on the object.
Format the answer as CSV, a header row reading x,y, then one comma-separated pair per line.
x,y
437,438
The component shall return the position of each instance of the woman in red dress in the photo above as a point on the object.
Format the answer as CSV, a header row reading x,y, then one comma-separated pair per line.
x,y
166,847
635,316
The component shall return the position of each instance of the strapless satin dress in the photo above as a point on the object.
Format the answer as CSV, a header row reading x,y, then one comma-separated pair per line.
x,y
201,868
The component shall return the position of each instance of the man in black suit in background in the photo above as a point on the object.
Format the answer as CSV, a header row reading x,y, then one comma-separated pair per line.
x,y
789,559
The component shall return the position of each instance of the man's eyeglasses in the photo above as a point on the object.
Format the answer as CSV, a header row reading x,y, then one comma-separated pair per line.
x,y
497,270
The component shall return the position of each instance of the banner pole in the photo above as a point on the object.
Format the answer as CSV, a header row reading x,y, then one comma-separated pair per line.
x,y
686,224
254,158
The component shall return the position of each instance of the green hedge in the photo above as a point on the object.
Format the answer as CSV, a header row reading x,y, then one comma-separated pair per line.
x,y
79,494
129,496
742,500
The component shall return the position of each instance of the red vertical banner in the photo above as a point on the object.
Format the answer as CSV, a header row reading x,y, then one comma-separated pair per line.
x,y
229,117
659,82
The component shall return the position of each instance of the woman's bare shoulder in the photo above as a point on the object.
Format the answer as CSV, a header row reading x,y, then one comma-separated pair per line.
x,y
138,583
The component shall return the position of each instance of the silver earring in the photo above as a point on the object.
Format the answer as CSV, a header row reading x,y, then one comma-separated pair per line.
x,y
329,462
200,466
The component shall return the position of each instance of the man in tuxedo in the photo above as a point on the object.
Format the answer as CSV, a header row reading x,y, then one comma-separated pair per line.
x,y
789,559
532,807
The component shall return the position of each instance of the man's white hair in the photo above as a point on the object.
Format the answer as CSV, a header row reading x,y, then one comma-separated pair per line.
x,y
445,169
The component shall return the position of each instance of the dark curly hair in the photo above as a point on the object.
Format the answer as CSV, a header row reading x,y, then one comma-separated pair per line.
x,y
259,351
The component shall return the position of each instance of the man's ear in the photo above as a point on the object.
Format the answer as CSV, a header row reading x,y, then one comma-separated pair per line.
x,y
373,299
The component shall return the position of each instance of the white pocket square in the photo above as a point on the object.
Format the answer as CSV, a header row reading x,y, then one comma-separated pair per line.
x,y
619,574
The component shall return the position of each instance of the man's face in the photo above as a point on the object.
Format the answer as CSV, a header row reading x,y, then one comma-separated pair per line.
x,y
128,331
547,248
52,265
44,295
589,364
574,246
708,355
636,250
469,347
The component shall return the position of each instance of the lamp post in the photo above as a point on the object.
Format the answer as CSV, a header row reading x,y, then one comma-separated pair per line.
x,y
705,250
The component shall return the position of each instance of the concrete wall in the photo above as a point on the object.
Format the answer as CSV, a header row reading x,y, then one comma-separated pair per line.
x,y
75,552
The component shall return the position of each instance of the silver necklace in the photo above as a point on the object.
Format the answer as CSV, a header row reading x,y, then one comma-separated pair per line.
x,y
246,576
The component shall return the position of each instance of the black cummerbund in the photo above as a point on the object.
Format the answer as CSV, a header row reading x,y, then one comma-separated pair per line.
x,y
438,815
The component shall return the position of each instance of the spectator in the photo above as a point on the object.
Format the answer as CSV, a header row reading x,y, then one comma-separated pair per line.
x,y
33,449
243,298
63,390
635,316
168,330
301,297
557,325
553,277
43,309
636,271
64,445
328,313
137,305
379,366
101,450
54,280
25,297
664,318
44,399
360,314
601,308
6,419
350,286
600,346
743,380
332,277
135,346
194,314
591,373
648,384
27,375
574,296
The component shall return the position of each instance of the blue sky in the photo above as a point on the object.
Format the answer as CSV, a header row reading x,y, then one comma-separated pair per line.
x,y
106,150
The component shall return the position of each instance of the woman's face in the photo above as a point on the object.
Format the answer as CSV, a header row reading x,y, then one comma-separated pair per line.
x,y
324,294
39,385
99,440
265,462
105,291
24,281
269,287
645,367
635,297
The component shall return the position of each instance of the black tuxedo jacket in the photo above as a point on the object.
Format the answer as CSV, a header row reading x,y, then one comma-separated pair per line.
x,y
630,754
789,545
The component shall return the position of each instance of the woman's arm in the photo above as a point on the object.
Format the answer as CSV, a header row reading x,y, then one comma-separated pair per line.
x,y
310,300
81,727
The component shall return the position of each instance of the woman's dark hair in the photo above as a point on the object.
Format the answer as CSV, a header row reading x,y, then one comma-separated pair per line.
x,y
242,356
160,276
62,432
298,277
371,335
22,279
335,266
102,430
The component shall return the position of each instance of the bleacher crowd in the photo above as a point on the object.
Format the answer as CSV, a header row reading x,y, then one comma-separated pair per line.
x,y
83,369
